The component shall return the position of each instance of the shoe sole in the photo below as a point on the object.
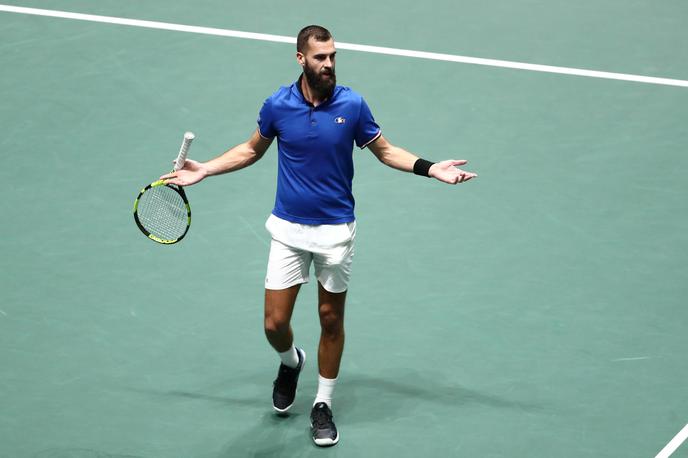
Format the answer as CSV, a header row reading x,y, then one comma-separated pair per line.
x,y
285,411
282,412
326,442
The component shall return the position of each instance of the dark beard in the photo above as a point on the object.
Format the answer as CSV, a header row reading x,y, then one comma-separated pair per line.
x,y
323,88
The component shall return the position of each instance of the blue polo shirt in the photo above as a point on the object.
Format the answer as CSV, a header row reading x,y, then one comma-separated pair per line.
x,y
315,152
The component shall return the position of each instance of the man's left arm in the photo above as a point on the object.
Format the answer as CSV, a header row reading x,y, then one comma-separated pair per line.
x,y
400,159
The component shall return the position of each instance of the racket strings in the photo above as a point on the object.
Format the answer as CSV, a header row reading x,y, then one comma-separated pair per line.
x,y
163,213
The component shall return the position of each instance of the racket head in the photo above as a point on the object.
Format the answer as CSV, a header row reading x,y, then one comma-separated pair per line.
x,y
162,212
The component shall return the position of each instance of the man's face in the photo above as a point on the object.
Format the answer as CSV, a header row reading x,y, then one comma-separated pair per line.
x,y
318,66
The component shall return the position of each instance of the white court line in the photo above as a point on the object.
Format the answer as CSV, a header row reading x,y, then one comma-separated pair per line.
x,y
635,358
674,444
348,46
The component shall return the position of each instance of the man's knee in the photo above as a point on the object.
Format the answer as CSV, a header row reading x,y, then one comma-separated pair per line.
x,y
278,308
276,325
331,322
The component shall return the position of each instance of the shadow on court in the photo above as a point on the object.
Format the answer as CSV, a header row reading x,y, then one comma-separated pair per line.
x,y
215,391
404,393
229,400
360,399
397,391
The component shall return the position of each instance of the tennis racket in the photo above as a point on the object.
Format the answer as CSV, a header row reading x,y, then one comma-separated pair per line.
x,y
162,211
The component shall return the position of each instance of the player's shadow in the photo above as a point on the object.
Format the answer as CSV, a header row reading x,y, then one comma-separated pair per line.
x,y
360,398
265,434
198,396
371,398
215,392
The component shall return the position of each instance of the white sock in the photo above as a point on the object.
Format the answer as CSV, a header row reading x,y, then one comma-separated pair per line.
x,y
325,390
290,357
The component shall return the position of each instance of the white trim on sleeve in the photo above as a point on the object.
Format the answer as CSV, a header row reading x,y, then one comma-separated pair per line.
x,y
261,134
379,132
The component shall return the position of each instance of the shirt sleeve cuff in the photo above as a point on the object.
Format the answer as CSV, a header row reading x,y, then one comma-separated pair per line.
x,y
375,137
264,136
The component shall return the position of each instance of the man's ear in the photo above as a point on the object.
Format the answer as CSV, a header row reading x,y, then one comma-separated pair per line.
x,y
301,59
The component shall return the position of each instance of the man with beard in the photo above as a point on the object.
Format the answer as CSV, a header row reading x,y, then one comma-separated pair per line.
x,y
316,123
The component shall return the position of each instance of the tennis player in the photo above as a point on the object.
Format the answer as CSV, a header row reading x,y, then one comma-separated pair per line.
x,y
316,123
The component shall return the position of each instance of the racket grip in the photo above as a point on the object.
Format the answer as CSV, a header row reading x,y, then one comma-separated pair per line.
x,y
184,150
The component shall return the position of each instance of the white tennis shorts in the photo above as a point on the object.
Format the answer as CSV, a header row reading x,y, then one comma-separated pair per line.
x,y
289,265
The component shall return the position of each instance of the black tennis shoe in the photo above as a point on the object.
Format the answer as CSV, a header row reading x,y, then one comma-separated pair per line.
x,y
322,427
284,386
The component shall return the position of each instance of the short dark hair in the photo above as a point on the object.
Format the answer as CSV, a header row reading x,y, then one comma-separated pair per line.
x,y
318,32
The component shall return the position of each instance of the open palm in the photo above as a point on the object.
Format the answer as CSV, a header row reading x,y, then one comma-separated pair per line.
x,y
448,172
191,173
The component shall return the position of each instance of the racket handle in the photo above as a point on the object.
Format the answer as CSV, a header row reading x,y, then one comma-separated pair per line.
x,y
184,150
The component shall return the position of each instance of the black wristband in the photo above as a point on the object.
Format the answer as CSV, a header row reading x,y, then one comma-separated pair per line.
x,y
422,167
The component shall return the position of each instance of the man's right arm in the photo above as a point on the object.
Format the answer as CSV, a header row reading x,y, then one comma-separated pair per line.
x,y
234,159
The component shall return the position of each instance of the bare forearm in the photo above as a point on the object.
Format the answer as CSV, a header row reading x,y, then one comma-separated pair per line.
x,y
398,158
234,159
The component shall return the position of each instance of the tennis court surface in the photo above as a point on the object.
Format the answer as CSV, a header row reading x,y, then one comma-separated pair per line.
x,y
537,311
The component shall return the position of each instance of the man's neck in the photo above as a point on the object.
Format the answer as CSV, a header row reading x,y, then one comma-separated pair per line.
x,y
311,96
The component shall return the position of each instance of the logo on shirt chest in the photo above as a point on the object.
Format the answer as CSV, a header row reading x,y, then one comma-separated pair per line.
x,y
339,120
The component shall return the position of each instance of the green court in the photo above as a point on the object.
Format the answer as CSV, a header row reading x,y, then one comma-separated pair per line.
x,y
538,311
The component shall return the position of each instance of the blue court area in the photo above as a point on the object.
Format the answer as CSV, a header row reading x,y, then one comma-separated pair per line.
x,y
537,311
